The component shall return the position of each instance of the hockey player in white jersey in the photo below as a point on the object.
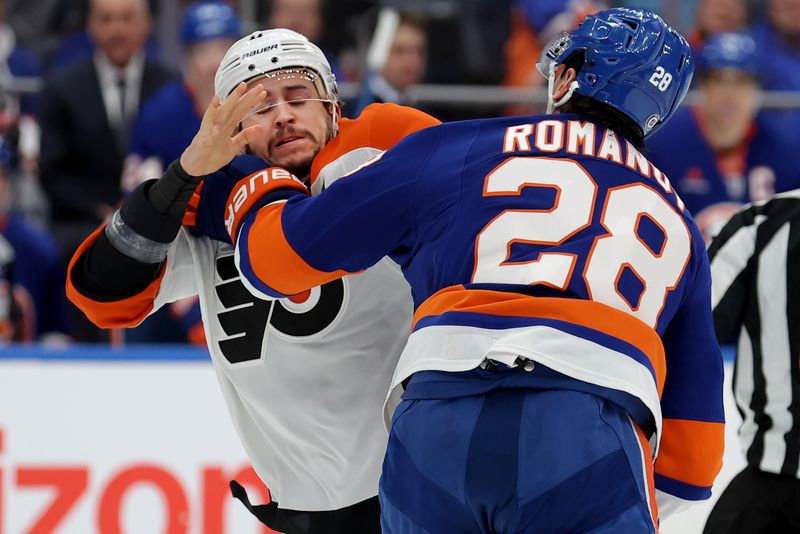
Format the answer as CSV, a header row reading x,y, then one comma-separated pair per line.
x,y
304,379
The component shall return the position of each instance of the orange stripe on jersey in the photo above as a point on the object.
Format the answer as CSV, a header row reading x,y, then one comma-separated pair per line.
x,y
379,126
691,451
120,313
250,189
190,215
277,264
574,311
648,468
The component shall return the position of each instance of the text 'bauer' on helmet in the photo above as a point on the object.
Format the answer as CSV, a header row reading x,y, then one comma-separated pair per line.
x,y
268,51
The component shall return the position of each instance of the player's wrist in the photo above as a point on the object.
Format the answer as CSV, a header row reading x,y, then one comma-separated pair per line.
x,y
186,175
191,167
170,195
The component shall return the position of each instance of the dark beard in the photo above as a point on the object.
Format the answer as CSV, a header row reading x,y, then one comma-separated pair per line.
x,y
302,171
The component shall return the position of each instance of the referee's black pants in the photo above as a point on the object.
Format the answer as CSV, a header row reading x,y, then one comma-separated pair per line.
x,y
756,502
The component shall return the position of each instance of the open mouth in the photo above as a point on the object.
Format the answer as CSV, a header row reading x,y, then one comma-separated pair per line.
x,y
287,140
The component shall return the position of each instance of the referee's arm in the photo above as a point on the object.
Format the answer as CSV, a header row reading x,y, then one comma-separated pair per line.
x,y
732,255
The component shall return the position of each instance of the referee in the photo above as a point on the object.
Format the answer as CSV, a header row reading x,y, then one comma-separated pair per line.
x,y
755,268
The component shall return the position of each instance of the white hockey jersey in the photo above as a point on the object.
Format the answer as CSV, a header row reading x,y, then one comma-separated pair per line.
x,y
304,379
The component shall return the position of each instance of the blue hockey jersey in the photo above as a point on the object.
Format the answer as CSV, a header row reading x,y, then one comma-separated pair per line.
x,y
548,238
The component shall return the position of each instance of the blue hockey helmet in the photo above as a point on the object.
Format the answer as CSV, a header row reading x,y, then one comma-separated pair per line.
x,y
204,21
633,61
734,51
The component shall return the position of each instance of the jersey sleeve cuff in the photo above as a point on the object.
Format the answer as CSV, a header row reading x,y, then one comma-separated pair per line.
x,y
682,490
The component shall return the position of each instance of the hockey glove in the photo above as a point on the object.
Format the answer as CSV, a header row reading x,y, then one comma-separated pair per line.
x,y
205,213
257,190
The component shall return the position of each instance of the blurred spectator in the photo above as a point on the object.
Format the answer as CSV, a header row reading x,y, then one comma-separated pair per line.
x,y
533,24
302,16
18,123
305,17
166,125
717,153
680,14
15,61
168,121
38,276
41,25
87,110
404,66
81,45
717,16
778,39
12,324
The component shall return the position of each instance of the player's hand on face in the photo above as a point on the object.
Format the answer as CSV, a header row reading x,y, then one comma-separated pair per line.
x,y
218,141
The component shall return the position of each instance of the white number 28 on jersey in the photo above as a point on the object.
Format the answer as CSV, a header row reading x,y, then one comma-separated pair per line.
x,y
659,271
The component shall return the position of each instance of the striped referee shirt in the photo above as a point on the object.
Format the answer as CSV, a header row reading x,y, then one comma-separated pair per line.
x,y
755,269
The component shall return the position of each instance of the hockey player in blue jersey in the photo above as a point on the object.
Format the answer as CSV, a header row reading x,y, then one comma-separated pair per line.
x,y
721,153
562,336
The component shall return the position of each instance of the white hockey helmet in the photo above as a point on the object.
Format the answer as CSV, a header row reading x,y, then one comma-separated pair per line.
x,y
266,51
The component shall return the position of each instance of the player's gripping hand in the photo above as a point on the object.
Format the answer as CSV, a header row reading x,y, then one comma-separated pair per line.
x,y
257,190
219,140
205,214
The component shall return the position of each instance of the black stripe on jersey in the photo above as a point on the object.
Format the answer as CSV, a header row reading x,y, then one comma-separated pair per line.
x,y
778,212
739,220
752,323
792,438
730,311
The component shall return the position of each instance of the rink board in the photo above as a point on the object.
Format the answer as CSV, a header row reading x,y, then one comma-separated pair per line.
x,y
139,441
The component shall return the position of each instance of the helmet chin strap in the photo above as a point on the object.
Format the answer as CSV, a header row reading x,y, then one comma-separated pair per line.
x,y
334,120
551,82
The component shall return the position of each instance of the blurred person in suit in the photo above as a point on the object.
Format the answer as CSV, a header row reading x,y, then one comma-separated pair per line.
x,y
87,111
